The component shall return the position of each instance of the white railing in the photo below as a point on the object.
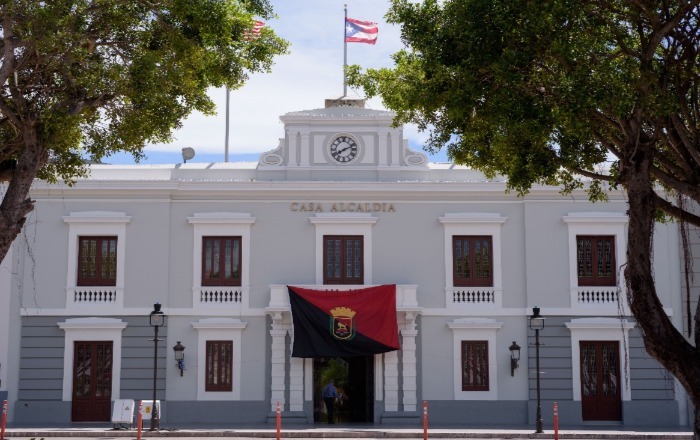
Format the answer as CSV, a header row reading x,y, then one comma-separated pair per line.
x,y
595,296
94,297
219,296
470,297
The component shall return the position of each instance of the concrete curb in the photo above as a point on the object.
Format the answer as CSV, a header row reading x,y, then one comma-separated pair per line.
x,y
349,433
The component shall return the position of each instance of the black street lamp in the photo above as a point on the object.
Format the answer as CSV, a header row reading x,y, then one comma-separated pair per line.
x,y
156,319
537,324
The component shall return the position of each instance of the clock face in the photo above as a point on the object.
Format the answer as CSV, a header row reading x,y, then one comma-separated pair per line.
x,y
344,149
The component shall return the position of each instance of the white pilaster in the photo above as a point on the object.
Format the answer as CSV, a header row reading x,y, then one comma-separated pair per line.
x,y
292,139
408,350
296,382
383,147
278,360
395,148
305,149
391,381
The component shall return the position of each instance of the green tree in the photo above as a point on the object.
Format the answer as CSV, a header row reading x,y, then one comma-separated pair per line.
x,y
83,79
594,94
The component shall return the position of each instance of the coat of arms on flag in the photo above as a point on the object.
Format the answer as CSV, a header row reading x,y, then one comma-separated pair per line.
x,y
347,323
341,323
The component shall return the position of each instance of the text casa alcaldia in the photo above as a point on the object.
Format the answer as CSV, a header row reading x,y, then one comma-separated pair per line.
x,y
342,207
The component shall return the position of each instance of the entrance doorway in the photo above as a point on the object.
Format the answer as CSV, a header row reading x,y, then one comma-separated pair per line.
x,y
600,381
92,381
354,376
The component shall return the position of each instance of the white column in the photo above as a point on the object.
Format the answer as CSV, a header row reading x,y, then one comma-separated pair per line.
x,y
383,147
305,150
395,148
408,350
278,360
292,139
391,381
296,382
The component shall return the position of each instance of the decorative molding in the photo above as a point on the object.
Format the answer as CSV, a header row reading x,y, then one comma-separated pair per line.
x,y
98,300
229,224
597,223
475,329
219,329
600,329
91,329
463,299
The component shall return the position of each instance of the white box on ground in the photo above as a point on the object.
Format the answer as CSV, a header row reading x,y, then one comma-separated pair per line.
x,y
123,411
147,409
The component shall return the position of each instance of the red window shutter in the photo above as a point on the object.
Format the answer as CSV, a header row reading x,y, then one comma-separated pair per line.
x,y
97,261
221,261
595,260
475,366
472,258
343,259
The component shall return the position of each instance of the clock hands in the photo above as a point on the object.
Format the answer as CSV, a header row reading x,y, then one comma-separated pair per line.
x,y
340,151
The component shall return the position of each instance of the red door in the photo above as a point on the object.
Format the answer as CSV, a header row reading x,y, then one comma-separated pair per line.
x,y
92,381
600,380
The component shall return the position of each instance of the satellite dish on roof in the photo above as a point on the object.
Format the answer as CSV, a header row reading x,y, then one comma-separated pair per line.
x,y
187,153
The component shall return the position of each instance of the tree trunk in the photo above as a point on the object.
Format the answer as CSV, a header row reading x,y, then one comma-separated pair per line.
x,y
16,204
661,339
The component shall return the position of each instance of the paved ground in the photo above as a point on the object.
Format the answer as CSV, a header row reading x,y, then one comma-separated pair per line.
x,y
345,432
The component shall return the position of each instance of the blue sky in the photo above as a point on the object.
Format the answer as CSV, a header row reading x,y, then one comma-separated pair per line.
x,y
301,80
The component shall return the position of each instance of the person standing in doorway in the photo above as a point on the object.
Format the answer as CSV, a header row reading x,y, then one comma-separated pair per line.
x,y
330,395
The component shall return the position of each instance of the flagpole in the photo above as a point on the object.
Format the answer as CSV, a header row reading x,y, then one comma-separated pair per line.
x,y
345,54
227,118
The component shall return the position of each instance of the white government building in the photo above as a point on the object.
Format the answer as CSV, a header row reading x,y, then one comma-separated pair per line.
x,y
341,203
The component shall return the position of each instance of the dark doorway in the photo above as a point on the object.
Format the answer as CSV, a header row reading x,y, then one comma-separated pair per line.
x,y
600,381
354,378
92,381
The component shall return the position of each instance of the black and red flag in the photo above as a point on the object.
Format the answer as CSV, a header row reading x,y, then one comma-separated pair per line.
x,y
343,324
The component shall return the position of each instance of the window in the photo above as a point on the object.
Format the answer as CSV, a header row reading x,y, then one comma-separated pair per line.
x,y
343,259
473,261
595,260
474,357
97,261
221,261
219,366
475,366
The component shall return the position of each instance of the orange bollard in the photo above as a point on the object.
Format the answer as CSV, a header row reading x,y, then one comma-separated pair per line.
x,y
556,421
279,421
4,420
425,420
139,421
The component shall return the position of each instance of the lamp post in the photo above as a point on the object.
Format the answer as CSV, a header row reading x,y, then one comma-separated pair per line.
x,y
156,320
537,324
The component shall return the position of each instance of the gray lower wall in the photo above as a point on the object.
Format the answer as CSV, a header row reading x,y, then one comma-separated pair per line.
x,y
215,412
41,367
477,413
649,381
41,380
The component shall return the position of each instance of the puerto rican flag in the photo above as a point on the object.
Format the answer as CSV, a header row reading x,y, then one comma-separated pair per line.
x,y
357,31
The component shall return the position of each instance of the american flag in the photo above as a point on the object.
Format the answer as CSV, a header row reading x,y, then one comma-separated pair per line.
x,y
255,32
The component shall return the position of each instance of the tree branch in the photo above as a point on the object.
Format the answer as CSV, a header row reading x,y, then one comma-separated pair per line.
x,y
591,174
676,212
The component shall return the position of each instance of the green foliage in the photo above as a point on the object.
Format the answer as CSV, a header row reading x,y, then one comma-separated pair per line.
x,y
93,77
550,91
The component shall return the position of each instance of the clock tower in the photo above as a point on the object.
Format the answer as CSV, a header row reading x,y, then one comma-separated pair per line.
x,y
342,141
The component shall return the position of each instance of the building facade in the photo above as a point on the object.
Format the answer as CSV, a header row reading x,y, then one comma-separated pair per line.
x,y
341,203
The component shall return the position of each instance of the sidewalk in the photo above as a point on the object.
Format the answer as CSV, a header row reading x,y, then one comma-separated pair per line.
x,y
349,431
